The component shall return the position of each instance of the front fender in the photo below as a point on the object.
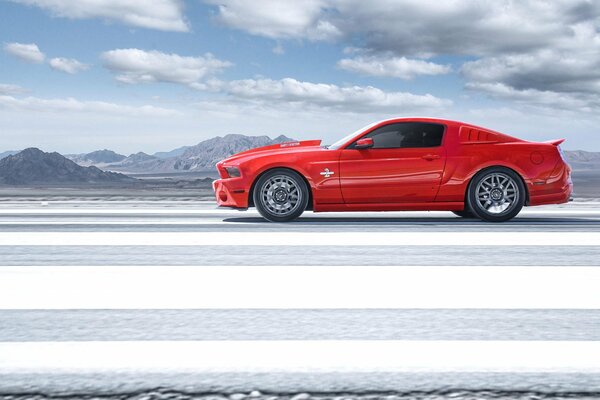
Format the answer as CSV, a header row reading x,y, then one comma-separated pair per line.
x,y
325,189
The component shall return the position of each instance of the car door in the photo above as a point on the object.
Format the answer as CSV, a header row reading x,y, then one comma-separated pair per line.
x,y
404,165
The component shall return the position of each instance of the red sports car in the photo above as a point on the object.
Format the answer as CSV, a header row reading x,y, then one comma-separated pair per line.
x,y
399,165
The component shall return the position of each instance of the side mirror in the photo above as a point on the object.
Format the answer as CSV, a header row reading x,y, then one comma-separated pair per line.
x,y
364,143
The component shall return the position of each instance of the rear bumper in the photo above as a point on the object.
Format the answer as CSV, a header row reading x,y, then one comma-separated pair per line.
x,y
559,197
557,189
231,192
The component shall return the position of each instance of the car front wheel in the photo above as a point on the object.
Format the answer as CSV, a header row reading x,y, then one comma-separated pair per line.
x,y
496,194
281,195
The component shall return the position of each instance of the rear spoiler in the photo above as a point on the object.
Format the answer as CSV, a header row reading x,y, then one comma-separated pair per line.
x,y
555,142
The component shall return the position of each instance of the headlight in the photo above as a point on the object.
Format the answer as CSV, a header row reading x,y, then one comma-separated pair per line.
x,y
233,172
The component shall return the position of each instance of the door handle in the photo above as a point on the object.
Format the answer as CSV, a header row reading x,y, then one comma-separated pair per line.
x,y
430,157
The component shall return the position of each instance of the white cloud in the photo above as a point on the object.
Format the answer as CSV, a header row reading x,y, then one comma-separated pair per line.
x,y
26,52
554,70
566,76
164,15
396,67
31,53
10,89
277,19
414,27
535,45
544,99
139,66
73,105
466,27
320,95
68,65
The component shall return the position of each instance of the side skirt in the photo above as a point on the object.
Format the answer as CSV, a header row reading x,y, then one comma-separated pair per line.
x,y
431,206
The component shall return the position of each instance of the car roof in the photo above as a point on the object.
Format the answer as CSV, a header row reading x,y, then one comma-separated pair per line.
x,y
439,121
423,119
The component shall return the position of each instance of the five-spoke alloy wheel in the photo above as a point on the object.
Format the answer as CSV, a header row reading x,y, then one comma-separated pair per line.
x,y
280,195
496,194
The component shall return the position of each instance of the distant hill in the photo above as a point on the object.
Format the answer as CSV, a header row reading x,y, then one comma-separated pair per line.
x,y
98,157
136,158
8,153
206,154
173,153
33,166
583,160
201,157
138,162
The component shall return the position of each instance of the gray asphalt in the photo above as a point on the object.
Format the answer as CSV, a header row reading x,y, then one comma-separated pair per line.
x,y
250,221
190,216
351,324
300,255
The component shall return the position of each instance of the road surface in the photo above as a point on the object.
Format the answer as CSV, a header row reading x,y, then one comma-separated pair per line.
x,y
183,300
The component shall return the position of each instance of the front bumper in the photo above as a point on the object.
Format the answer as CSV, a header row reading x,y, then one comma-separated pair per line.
x,y
231,192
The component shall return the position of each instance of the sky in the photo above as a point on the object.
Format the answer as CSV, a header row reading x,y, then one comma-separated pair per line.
x,y
153,75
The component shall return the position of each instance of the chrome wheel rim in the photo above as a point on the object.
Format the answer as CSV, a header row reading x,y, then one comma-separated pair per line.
x,y
281,195
497,193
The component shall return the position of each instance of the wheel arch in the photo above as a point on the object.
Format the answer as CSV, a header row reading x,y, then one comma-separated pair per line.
x,y
488,167
308,185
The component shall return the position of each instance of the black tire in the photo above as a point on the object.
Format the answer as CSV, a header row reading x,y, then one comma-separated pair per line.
x,y
281,195
464,213
496,194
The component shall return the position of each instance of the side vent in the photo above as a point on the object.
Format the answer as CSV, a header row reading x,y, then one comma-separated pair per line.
x,y
469,135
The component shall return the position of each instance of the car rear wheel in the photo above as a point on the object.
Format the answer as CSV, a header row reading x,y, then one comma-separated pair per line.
x,y
281,195
496,194
464,214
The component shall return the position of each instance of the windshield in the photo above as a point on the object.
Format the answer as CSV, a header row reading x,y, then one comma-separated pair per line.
x,y
343,140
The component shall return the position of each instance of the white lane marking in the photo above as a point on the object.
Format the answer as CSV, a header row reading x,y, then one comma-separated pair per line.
x,y
304,287
301,356
300,238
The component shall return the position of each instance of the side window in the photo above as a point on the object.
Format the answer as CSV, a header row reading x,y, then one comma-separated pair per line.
x,y
406,135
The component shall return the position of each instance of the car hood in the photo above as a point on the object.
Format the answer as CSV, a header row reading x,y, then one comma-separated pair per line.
x,y
287,147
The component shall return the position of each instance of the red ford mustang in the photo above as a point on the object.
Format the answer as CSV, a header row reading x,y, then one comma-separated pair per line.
x,y
398,165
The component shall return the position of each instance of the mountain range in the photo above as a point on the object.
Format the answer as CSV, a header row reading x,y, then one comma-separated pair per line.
x,y
201,157
96,157
33,166
583,160
173,153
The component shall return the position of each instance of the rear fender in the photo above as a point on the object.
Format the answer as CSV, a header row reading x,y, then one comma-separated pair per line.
x,y
513,169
